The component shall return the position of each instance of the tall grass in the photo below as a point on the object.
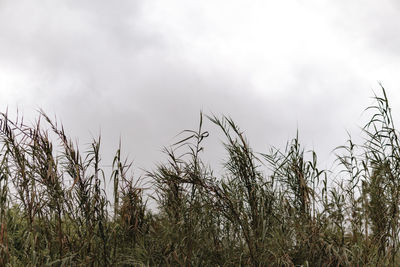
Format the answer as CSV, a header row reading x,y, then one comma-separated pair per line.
x,y
276,208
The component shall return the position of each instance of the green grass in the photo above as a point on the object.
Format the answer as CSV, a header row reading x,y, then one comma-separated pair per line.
x,y
54,210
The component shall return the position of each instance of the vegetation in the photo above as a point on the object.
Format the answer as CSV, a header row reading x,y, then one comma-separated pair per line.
x,y
268,209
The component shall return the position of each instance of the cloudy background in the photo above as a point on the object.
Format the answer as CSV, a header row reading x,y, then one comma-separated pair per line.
x,y
143,70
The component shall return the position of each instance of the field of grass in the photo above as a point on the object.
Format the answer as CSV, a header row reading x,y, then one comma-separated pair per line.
x,y
54,210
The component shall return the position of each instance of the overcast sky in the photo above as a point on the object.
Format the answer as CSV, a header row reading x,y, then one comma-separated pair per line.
x,y
143,70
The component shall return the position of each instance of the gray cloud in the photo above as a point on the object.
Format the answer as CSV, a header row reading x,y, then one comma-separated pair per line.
x,y
144,71
375,24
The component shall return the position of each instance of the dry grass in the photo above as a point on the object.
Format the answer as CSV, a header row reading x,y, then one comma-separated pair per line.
x,y
54,211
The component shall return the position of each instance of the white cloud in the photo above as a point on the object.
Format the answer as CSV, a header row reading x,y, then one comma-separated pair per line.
x,y
145,69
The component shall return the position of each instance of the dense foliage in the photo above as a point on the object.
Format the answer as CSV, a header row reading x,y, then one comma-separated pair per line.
x,y
267,209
